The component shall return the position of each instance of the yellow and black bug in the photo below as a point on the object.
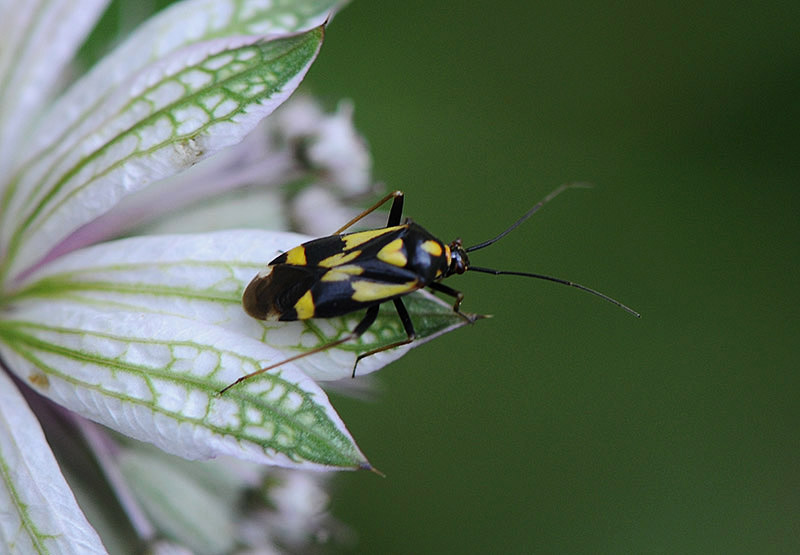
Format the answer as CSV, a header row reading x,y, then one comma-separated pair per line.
x,y
345,272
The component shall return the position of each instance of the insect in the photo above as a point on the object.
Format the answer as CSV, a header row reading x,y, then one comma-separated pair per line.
x,y
345,272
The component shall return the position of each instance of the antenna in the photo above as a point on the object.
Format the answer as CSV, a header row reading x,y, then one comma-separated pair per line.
x,y
556,280
516,224
530,213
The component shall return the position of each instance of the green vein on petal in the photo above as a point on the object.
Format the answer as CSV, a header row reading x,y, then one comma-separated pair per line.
x,y
156,377
178,26
39,40
36,515
177,112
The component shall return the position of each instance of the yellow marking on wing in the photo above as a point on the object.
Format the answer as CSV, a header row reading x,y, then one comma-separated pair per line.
x,y
393,253
304,307
296,256
366,291
338,259
352,240
342,273
433,248
439,272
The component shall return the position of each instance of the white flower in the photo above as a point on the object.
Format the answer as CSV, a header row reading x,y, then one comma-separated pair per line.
x,y
140,334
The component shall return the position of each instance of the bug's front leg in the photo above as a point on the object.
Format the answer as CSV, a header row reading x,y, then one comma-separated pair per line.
x,y
459,296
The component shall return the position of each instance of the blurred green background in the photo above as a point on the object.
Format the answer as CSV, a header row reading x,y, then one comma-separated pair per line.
x,y
564,424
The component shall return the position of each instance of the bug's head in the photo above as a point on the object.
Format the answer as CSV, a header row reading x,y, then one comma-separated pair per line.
x,y
459,261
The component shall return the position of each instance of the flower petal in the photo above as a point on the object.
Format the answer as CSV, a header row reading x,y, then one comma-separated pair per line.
x,y
156,377
180,25
37,39
36,515
202,277
176,112
181,507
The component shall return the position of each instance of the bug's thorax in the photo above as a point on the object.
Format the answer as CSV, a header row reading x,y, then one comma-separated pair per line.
x,y
458,261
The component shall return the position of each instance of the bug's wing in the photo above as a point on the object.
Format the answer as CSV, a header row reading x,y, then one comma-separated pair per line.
x,y
355,293
276,293
336,275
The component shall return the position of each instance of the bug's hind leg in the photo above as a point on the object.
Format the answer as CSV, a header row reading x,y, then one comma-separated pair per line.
x,y
363,325
395,214
408,326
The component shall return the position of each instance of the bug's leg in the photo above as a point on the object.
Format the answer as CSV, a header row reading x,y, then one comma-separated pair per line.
x,y
408,326
363,325
396,212
459,296
394,215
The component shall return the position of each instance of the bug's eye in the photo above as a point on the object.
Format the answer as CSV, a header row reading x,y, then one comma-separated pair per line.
x,y
458,261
